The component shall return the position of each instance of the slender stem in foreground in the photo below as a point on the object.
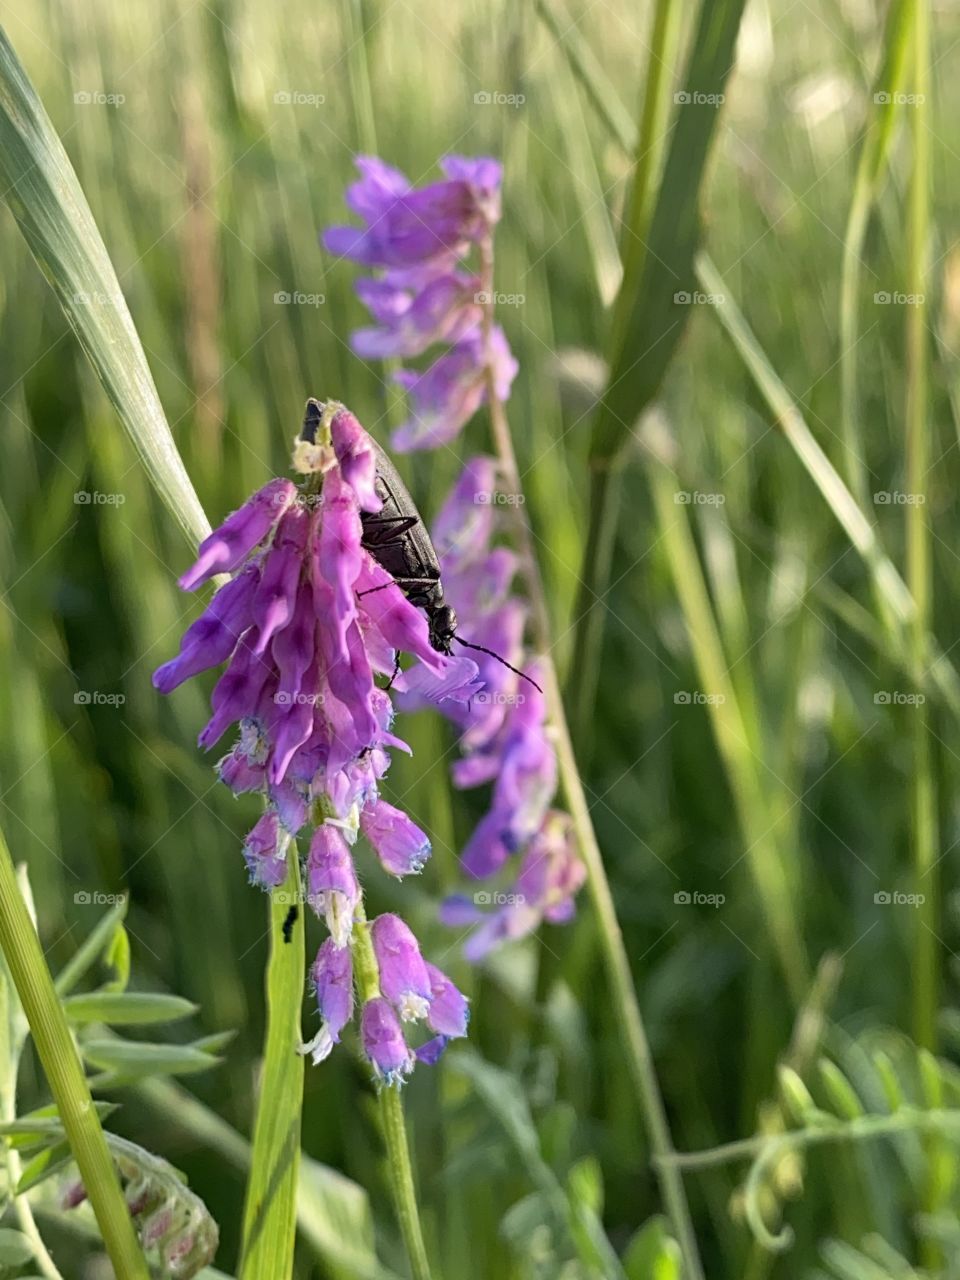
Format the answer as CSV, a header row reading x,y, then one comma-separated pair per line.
x,y
639,1057
391,1115
64,1073
918,545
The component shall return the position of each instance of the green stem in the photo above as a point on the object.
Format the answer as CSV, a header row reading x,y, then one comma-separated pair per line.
x,y
62,1067
924,816
639,1058
391,1114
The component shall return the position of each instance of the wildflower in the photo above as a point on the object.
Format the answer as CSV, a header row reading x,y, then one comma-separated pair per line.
x,y
302,647
420,239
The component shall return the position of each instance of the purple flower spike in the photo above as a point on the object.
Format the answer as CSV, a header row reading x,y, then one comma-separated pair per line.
x,y
449,1008
445,311
332,887
228,546
332,977
403,975
302,655
399,843
212,638
277,594
265,852
383,1042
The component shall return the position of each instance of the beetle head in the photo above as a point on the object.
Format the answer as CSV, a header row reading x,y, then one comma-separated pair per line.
x,y
443,628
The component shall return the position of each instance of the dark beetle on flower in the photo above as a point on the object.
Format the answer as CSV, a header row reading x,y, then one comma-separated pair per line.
x,y
397,538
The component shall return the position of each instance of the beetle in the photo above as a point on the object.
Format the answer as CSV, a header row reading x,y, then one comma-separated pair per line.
x,y
397,538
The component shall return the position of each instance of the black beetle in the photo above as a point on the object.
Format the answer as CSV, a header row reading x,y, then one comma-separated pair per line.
x,y
397,538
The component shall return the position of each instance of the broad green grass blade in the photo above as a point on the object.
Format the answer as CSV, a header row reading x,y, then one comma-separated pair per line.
x,y
44,196
648,319
270,1211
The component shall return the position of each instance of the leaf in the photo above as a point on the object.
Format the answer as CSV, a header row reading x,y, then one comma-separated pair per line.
x,y
652,1254
336,1217
270,1208
137,1058
51,210
49,1161
127,1008
15,1248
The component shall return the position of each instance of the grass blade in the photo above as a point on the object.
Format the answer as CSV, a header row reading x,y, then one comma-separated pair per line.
x,y
51,210
270,1211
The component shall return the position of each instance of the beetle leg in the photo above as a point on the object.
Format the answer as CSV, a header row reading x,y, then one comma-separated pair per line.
x,y
386,529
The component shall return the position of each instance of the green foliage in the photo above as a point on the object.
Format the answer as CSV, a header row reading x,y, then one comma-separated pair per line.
x,y
208,196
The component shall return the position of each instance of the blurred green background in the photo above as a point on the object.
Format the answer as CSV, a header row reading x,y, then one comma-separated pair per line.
x,y
213,142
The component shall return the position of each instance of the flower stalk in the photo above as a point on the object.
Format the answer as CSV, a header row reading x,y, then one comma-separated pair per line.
x,y
392,1123
64,1073
639,1057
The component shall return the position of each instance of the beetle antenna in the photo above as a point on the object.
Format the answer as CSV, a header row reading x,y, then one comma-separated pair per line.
x,y
482,649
